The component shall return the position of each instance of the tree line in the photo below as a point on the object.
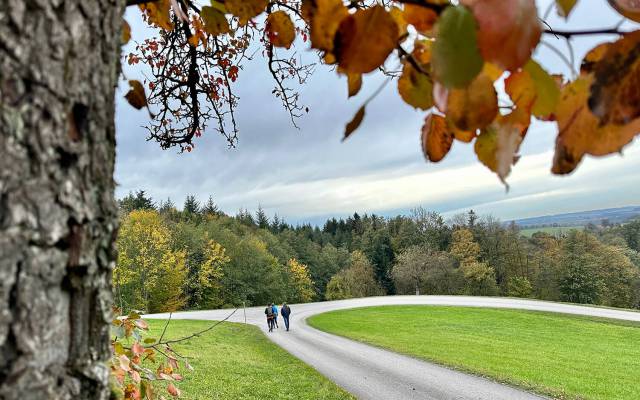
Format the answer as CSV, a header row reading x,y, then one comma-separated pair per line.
x,y
200,257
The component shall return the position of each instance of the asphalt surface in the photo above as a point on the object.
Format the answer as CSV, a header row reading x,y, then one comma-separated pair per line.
x,y
372,373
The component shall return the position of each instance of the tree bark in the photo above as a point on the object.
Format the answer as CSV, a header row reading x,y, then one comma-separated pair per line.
x,y
59,65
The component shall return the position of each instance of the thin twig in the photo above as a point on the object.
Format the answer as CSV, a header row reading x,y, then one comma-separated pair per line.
x,y
165,327
197,333
568,34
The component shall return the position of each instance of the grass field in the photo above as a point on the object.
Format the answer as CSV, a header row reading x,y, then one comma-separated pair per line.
x,y
559,355
236,361
552,230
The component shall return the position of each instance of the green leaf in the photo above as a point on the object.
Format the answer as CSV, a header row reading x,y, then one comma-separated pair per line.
x,y
149,340
215,22
547,90
456,59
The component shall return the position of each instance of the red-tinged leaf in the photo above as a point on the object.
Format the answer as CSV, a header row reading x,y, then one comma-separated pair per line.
x,y
280,30
131,392
455,57
354,123
365,39
173,363
142,324
440,96
126,32
628,8
415,87
124,363
136,96
475,106
174,391
137,348
615,92
436,138
166,377
508,31
177,377
135,376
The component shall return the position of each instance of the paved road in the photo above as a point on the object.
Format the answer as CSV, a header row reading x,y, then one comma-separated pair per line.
x,y
372,373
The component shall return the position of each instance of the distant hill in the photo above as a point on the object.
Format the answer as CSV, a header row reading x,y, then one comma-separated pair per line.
x,y
582,218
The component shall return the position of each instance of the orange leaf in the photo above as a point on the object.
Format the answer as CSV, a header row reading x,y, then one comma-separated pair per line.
x,y
498,145
615,92
126,31
158,13
365,39
415,87
580,132
135,96
422,18
280,30
137,348
246,9
354,123
508,31
354,83
475,106
323,17
174,391
593,56
628,8
436,138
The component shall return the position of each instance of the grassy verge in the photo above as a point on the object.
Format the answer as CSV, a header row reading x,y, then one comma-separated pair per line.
x,y
559,355
236,361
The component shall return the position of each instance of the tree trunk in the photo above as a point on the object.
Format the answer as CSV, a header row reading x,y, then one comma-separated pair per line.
x,y
59,64
417,289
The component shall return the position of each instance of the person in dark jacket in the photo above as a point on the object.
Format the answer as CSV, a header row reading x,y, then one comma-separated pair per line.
x,y
269,313
285,311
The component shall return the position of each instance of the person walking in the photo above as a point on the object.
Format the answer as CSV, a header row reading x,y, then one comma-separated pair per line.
x,y
275,314
269,313
285,311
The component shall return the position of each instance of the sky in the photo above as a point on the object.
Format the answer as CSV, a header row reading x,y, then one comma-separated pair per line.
x,y
308,174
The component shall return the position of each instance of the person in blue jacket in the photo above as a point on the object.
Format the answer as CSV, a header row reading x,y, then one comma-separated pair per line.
x,y
285,311
275,314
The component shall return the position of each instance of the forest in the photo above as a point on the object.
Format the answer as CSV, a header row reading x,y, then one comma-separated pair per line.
x,y
201,258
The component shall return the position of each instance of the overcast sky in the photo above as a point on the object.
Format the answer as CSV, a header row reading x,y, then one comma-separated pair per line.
x,y
308,174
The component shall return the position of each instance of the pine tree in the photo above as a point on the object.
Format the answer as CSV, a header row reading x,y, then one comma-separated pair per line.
x,y
210,208
191,205
261,219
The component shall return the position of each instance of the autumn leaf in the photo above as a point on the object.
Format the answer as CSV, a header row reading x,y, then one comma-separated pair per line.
x,y
354,123
628,8
592,57
508,31
173,391
459,134
365,39
246,9
579,131
615,92
456,60
215,22
354,83
522,89
136,96
436,138
126,32
158,13
475,106
398,16
497,147
324,18
422,18
422,51
415,87
280,29
547,91
565,7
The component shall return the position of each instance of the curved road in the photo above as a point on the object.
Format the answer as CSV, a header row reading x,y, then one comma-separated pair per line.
x,y
372,373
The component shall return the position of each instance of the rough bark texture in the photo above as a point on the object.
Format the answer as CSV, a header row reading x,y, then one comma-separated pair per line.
x,y
58,70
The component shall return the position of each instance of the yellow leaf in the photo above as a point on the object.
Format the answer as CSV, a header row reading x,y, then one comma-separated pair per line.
x,y
547,91
365,39
565,7
215,22
398,16
323,17
354,123
246,9
580,132
280,29
354,82
497,147
158,13
436,138
136,96
475,106
415,87
126,32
